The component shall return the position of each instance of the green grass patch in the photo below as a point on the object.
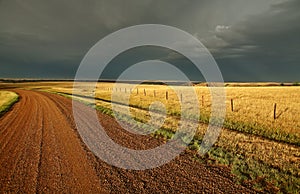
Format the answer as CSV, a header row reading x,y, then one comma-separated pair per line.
x,y
249,171
7,99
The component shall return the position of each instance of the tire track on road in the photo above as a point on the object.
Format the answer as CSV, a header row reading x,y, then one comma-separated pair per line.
x,y
14,148
39,137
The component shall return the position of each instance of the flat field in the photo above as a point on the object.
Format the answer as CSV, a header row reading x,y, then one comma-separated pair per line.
x,y
260,139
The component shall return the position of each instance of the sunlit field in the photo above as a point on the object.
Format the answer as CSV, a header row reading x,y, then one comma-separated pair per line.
x,y
248,109
253,106
250,104
271,112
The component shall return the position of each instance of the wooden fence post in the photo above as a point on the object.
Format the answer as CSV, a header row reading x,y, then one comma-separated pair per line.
x,y
275,106
202,101
181,97
231,104
154,93
137,91
144,92
167,95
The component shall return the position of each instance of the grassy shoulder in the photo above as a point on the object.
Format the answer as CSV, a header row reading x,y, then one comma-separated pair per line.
x,y
7,99
248,171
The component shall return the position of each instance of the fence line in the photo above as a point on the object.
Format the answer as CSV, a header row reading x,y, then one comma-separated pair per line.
x,y
232,108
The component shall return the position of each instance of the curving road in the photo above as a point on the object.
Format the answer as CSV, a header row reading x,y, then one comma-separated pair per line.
x,y
41,152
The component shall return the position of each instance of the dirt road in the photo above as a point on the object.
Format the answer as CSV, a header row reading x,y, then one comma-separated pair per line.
x,y
42,152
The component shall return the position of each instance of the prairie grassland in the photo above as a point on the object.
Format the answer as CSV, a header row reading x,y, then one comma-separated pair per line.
x,y
7,98
256,105
253,107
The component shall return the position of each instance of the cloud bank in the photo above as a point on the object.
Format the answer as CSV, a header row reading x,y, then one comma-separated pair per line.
x,y
251,40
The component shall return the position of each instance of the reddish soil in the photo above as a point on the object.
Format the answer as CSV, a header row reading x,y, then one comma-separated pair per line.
x,y
42,152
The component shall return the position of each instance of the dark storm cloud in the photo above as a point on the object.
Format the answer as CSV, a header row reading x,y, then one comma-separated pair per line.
x,y
249,39
265,46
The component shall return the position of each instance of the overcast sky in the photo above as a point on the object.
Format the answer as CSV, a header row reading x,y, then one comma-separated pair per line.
x,y
257,40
